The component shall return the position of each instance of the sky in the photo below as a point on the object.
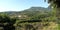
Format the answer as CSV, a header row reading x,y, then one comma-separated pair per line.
x,y
19,5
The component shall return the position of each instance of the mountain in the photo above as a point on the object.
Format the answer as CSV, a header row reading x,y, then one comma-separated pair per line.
x,y
32,10
38,9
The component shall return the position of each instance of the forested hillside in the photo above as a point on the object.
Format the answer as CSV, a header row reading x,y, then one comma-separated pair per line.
x,y
34,18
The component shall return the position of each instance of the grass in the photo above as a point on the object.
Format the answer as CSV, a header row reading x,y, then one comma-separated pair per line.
x,y
58,26
52,26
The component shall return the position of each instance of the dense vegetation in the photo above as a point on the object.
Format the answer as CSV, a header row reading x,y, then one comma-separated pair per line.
x,y
35,18
6,23
56,7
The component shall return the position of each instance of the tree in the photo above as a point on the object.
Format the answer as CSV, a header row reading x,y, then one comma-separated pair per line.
x,y
6,22
54,3
56,7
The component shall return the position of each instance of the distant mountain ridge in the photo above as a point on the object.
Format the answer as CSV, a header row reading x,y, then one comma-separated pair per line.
x,y
28,11
37,9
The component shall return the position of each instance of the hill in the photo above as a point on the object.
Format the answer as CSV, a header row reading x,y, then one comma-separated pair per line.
x,y
34,18
28,11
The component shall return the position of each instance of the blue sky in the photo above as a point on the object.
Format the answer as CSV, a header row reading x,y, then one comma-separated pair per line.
x,y
19,5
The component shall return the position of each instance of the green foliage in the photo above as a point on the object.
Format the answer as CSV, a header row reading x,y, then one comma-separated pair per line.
x,y
35,18
54,3
6,22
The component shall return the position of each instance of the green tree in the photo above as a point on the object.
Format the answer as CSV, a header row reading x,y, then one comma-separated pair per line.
x,y
55,4
56,7
6,22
